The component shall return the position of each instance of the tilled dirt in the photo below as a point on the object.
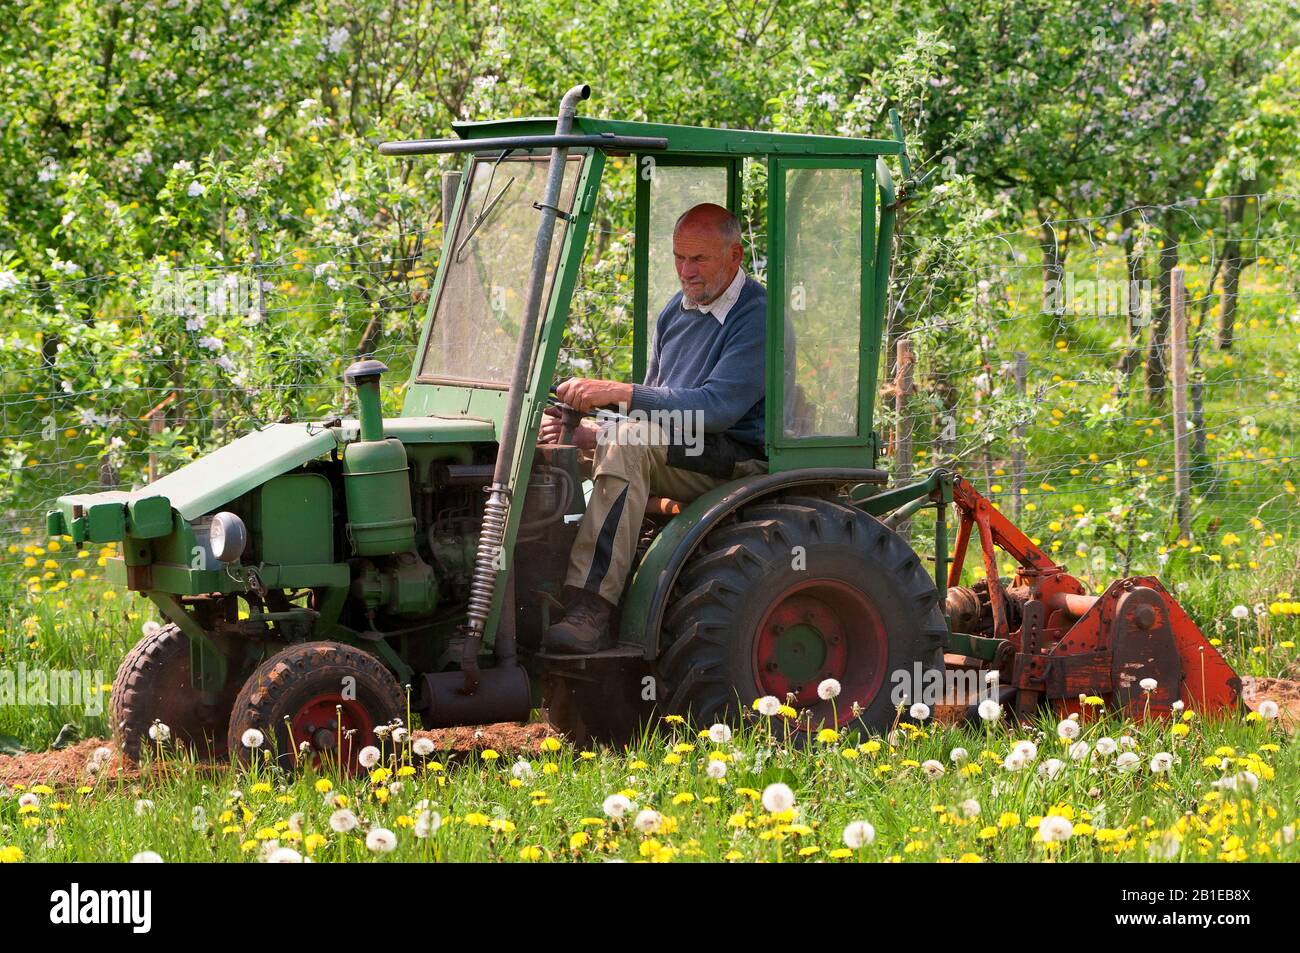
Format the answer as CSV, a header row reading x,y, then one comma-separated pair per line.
x,y
1284,691
70,766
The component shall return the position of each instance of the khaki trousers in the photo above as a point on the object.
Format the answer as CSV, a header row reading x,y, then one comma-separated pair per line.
x,y
631,465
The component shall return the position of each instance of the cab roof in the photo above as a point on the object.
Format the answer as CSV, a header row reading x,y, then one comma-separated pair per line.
x,y
687,140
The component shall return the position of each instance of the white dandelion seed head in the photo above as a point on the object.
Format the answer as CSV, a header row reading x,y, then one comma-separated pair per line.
x,y
427,824
1014,761
423,747
769,705
958,755
159,732
343,821
1127,762
147,857
1240,612
1067,730
1268,709
381,840
284,855
1165,847
1148,684
858,834
777,798
991,677
150,628
368,756
28,800
1055,828
616,805
969,807
1078,751
989,710
828,688
521,770
933,769
1178,705
1127,741
719,734
252,738
143,806
648,821
1106,746
400,735
1049,768
1161,762
1026,749
919,711
717,770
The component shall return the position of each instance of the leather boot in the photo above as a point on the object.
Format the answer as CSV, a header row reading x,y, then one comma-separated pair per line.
x,y
585,626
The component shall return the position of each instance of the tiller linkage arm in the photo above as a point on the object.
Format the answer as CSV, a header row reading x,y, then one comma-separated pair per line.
x,y
1056,643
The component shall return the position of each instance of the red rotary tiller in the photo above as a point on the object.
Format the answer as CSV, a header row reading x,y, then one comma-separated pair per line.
x,y
1051,642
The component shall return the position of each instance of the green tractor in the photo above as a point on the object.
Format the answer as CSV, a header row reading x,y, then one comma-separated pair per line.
x,y
323,580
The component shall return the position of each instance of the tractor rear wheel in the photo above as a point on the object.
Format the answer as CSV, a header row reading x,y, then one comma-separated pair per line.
x,y
799,590
327,695
153,684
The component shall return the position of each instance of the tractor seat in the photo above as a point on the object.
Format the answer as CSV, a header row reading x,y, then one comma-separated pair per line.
x,y
661,508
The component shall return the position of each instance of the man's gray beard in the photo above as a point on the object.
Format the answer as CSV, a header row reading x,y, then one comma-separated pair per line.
x,y
703,300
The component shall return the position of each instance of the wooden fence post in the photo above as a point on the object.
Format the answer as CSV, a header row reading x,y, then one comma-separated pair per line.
x,y
1178,349
904,365
1019,374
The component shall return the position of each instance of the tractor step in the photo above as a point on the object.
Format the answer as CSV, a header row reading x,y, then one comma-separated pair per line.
x,y
617,652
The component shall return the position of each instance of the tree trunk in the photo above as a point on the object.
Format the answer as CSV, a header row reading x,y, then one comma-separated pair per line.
x,y
1234,211
1054,303
1135,270
1158,346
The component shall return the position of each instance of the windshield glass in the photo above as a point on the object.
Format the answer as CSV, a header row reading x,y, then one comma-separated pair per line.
x,y
480,308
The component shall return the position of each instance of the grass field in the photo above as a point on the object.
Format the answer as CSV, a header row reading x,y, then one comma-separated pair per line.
x,y
1229,792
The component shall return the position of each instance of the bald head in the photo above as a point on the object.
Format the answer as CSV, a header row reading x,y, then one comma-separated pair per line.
x,y
707,251
707,216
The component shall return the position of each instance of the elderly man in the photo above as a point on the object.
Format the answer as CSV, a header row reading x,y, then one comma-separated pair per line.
x,y
705,376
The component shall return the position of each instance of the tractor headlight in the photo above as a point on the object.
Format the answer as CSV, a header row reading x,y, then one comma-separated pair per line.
x,y
228,537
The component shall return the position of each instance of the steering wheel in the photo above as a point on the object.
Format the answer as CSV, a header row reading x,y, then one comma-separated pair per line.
x,y
570,417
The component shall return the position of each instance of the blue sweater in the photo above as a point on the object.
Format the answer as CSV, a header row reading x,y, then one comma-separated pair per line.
x,y
697,364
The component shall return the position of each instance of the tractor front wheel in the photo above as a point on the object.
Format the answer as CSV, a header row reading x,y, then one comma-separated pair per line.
x,y
801,589
154,685
315,702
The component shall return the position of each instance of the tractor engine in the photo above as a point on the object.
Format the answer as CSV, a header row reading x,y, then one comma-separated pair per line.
x,y
414,515
394,578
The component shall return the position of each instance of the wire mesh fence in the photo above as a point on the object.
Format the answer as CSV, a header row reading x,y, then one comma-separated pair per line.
x,y
1041,371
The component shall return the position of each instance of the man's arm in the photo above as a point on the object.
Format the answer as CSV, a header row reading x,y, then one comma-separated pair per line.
x,y
584,394
735,384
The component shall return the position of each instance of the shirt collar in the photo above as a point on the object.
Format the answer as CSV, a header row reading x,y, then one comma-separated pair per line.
x,y
720,306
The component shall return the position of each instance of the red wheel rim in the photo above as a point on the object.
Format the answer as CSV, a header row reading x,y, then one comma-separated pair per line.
x,y
325,722
820,629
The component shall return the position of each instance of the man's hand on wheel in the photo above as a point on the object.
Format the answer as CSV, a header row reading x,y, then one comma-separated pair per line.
x,y
583,394
584,435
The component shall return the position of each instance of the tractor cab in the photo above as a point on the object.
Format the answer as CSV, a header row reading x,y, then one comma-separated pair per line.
x,y
826,214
